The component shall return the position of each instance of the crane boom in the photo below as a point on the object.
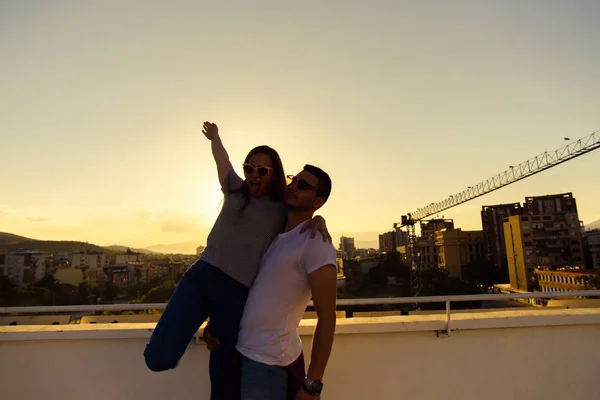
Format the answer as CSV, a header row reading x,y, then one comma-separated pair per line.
x,y
541,162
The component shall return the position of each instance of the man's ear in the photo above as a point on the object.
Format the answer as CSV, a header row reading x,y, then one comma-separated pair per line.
x,y
318,203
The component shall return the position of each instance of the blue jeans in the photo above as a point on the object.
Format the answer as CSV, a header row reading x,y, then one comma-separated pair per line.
x,y
263,382
204,291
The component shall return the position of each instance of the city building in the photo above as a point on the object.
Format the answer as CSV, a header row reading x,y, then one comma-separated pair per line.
x,y
387,241
95,276
401,238
23,267
426,252
89,260
430,227
129,257
562,203
391,241
199,250
61,258
353,274
457,248
593,242
561,281
122,275
362,253
367,263
156,270
547,236
492,220
347,246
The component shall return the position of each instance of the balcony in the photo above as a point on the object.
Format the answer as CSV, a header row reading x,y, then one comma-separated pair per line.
x,y
526,353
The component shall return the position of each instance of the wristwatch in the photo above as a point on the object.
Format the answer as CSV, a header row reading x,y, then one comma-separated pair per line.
x,y
313,387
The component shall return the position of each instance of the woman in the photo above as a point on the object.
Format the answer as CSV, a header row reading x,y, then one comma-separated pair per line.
x,y
217,285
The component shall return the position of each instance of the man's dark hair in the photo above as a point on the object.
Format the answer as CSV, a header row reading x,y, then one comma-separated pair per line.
x,y
324,180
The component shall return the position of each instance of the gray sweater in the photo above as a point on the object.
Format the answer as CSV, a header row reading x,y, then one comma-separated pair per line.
x,y
238,241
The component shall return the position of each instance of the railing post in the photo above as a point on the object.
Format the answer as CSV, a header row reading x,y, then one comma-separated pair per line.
x,y
446,333
448,317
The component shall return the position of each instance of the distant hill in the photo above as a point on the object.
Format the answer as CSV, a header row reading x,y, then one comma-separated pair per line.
x,y
11,242
123,249
9,238
51,246
175,248
593,225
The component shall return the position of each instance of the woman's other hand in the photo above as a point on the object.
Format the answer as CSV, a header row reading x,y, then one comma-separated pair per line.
x,y
317,224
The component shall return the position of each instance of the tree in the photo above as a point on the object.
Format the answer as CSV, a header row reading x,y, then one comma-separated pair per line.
x,y
156,281
85,292
7,292
47,291
592,281
96,293
5,284
135,290
47,282
110,291
391,265
481,272
159,294
437,282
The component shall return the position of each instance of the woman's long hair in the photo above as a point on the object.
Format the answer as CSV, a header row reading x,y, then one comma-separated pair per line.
x,y
277,186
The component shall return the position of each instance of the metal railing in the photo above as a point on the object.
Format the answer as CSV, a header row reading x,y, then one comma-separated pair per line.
x,y
340,302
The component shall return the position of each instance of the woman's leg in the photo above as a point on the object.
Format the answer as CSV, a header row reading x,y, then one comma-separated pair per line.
x,y
225,320
188,308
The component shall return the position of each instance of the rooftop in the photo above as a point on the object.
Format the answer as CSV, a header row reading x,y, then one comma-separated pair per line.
x,y
526,353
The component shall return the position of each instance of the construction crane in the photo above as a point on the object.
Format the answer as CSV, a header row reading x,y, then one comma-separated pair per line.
x,y
514,173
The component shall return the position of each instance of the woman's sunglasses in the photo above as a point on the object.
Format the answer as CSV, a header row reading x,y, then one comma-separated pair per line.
x,y
261,170
301,184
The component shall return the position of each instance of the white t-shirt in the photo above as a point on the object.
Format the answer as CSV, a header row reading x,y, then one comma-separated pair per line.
x,y
279,296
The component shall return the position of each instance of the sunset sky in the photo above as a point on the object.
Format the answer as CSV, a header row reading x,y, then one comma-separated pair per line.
x,y
402,102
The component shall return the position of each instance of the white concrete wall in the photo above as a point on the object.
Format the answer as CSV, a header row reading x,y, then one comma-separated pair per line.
x,y
503,355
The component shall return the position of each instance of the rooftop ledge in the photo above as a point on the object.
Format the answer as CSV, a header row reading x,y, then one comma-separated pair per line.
x,y
345,326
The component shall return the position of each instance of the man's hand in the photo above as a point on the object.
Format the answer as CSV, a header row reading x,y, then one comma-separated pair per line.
x,y
303,395
211,341
210,130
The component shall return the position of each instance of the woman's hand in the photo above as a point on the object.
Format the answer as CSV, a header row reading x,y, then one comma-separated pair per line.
x,y
210,130
317,224
211,341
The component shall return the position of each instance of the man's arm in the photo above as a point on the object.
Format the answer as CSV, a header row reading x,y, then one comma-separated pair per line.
x,y
323,284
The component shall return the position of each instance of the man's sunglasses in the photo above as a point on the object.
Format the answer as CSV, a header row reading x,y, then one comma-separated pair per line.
x,y
301,184
261,170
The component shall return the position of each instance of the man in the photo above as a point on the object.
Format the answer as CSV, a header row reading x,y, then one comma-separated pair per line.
x,y
293,268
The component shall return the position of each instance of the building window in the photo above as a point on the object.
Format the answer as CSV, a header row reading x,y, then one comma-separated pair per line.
x,y
524,218
527,235
528,244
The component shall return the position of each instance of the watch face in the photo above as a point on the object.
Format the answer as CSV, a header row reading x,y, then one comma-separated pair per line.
x,y
313,386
